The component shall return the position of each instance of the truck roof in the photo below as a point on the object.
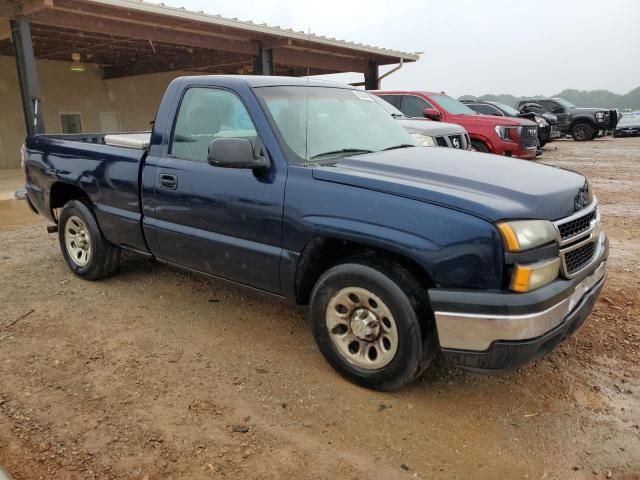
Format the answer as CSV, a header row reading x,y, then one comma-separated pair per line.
x,y
266,81
424,92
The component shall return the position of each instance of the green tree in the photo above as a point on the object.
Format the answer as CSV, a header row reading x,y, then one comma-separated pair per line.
x,y
580,98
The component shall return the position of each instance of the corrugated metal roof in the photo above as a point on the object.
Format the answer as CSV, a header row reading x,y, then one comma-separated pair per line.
x,y
162,9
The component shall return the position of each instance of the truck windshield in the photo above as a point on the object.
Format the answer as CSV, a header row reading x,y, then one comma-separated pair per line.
x,y
452,106
564,103
320,123
506,108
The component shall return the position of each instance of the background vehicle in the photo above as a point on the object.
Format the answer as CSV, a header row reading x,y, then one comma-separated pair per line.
x,y
581,123
628,126
511,137
427,132
310,191
547,129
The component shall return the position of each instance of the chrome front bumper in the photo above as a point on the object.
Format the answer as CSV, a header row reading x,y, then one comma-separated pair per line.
x,y
476,332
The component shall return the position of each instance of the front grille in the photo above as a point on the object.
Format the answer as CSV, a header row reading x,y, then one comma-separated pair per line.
x,y
441,142
528,137
579,237
577,226
577,259
456,141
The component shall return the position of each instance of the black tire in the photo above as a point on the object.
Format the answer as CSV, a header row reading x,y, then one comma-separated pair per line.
x,y
480,146
581,132
408,303
102,259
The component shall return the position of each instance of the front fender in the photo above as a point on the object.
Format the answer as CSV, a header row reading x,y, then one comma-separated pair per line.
x,y
454,248
367,233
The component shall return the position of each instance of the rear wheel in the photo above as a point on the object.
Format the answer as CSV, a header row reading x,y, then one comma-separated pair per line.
x,y
582,132
87,253
372,323
480,146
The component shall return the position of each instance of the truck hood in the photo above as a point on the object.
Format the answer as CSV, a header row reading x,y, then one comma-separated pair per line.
x,y
484,185
491,120
588,110
431,128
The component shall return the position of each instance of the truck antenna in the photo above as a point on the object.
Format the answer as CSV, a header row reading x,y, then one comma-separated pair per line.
x,y
306,123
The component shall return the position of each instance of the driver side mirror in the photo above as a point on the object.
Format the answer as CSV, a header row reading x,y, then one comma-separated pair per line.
x,y
235,153
432,114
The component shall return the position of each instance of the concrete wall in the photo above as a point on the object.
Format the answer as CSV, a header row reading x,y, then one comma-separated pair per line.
x,y
135,98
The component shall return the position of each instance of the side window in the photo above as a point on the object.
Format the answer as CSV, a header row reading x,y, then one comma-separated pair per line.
x,y
413,106
549,106
485,109
392,99
204,115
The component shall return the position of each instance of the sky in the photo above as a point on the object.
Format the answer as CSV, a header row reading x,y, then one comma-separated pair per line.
x,y
473,47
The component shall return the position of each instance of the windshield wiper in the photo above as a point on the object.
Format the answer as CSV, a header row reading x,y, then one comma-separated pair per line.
x,y
343,150
402,145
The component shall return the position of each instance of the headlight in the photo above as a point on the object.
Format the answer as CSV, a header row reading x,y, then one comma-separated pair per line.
x,y
541,121
424,140
505,133
534,275
526,234
600,116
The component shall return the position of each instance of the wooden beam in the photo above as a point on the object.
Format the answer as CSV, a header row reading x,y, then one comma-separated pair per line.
x,y
9,9
301,58
30,7
127,30
196,62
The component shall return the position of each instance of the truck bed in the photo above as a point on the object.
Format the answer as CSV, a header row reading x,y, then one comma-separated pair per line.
x,y
108,174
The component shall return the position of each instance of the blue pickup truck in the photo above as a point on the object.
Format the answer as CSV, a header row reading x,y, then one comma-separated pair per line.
x,y
310,191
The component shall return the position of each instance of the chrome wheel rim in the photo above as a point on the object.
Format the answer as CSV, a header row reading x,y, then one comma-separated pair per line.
x,y
362,328
77,241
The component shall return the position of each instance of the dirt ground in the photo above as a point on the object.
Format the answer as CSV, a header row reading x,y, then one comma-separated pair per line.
x,y
157,373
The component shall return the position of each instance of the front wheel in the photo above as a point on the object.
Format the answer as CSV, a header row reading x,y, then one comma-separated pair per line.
x,y
582,132
87,253
372,323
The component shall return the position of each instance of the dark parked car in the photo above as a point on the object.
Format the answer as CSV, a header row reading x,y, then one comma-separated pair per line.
x,y
310,191
547,123
628,126
581,123
428,133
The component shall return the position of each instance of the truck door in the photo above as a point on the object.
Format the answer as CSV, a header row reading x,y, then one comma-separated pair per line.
x,y
559,111
221,221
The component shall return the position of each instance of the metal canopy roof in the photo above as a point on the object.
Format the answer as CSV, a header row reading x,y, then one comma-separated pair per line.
x,y
132,37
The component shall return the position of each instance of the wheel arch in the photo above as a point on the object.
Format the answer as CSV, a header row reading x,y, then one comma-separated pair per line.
x,y
324,252
588,120
62,192
481,138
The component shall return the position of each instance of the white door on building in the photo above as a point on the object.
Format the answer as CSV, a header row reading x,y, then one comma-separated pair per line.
x,y
110,122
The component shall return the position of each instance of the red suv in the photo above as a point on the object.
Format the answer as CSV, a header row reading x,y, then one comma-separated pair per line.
x,y
500,135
